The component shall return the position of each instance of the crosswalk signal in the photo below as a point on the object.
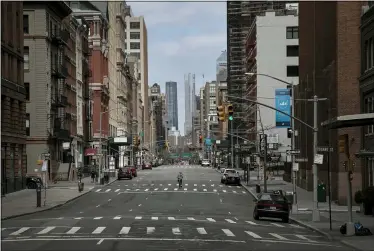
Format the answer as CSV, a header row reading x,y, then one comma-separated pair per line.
x,y
138,142
230,110
200,139
221,113
344,144
289,133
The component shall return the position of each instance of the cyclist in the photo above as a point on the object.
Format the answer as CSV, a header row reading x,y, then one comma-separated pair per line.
x,y
180,179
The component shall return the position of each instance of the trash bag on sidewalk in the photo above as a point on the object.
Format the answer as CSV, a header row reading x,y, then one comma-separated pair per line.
x,y
359,230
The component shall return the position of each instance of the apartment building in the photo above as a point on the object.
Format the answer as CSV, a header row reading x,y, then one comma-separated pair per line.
x,y
48,81
96,17
281,26
137,45
367,92
14,96
325,71
240,17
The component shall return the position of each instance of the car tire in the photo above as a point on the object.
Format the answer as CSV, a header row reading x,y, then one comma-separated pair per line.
x,y
255,215
286,219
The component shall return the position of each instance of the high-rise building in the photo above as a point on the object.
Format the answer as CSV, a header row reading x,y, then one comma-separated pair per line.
x,y
158,128
240,17
221,67
189,101
172,104
13,98
137,45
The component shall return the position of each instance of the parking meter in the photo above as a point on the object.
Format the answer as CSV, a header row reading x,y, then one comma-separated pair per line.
x,y
38,195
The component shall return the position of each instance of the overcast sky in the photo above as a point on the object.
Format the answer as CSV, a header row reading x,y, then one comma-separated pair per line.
x,y
183,37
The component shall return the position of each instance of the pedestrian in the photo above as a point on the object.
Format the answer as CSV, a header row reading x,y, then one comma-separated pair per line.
x,y
93,174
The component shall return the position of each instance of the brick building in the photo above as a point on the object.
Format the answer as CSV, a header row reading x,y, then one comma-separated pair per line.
x,y
13,95
367,92
98,63
329,59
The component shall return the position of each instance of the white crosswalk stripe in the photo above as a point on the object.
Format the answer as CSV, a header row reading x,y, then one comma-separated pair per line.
x,y
230,221
210,219
183,230
276,224
228,232
171,218
73,230
125,230
98,230
117,218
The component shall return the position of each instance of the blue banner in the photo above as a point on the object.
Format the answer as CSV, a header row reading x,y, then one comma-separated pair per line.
x,y
282,103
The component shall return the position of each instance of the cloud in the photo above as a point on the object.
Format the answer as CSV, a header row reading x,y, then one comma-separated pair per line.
x,y
191,44
175,12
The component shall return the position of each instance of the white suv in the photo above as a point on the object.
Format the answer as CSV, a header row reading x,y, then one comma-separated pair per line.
x,y
205,162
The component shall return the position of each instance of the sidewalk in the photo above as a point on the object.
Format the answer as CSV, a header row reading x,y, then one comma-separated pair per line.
x,y
339,216
24,202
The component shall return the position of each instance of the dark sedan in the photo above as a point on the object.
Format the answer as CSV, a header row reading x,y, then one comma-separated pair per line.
x,y
124,173
272,205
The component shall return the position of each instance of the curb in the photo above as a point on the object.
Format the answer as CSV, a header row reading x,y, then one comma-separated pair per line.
x,y
55,206
46,209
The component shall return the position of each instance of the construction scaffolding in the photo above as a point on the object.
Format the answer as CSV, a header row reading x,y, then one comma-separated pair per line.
x,y
241,18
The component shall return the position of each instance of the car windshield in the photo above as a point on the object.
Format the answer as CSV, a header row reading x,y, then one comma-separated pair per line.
x,y
272,197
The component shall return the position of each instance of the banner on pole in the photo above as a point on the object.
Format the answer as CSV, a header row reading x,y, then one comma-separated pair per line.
x,y
282,103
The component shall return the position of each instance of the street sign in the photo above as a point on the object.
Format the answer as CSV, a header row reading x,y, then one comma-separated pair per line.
x,y
293,152
325,149
301,159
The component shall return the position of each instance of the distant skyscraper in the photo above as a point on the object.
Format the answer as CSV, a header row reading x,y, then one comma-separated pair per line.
x,y
221,67
189,101
172,104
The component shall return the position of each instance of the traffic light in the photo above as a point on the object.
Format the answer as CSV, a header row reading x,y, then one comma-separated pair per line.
x,y
138,143
200,139
344,144
134,140
230,109
289,133
221,113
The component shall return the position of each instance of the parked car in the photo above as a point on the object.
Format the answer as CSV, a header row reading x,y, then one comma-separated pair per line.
x,y
125,173
272,205
230,176
146,166
205,162
32,182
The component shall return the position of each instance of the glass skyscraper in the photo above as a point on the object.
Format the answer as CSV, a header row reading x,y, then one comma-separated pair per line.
x,y
172,104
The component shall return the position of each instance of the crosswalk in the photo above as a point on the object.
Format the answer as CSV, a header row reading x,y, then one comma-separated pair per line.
x,y
182,219
172,187
152,231
184,167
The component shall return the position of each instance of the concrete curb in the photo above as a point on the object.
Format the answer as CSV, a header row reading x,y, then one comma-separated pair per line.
x,y
46,209
55,206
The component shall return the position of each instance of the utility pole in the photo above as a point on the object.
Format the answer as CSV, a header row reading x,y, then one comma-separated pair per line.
x,y
315,215
100,146
232,144
294,172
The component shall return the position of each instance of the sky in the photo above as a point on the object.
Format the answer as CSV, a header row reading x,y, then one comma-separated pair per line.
x,y
183,37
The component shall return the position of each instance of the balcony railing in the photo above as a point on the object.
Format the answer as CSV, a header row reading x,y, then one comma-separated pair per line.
x,y
60,37
59,71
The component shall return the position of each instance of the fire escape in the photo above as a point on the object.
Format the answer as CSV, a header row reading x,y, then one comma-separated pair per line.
x,y
59,74
87,93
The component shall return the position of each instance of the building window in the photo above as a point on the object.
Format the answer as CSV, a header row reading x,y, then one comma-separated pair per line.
x,y
292,71
134,35
27,124
292,50
135,54
27,88
26,59
134,25
26,24
293,32
369,108
134,45
369,54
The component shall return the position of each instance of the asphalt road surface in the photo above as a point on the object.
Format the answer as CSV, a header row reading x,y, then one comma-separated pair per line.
x,y
151,213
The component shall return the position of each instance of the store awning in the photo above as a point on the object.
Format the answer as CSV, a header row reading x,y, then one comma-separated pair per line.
x,y
353,120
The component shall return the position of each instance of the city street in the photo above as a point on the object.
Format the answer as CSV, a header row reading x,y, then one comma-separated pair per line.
x,y
150,212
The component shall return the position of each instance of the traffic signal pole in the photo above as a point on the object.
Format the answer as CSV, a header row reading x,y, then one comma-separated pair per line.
x,y
232,144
